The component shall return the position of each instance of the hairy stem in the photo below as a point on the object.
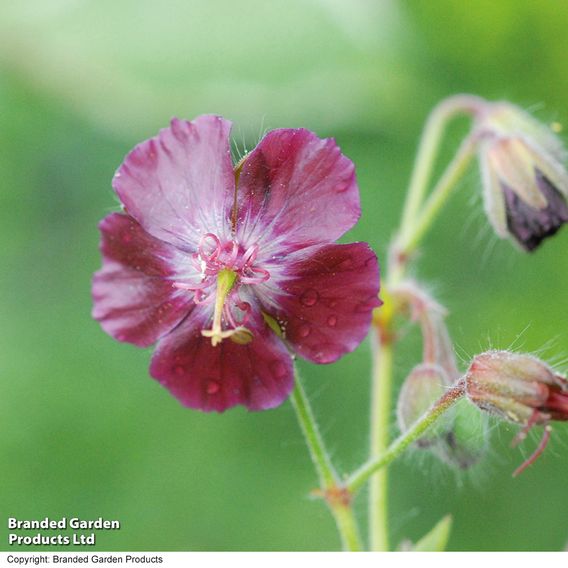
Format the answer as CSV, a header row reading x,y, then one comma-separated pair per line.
x,y
337,497
439,118
360,477
410,239
417,218
314,441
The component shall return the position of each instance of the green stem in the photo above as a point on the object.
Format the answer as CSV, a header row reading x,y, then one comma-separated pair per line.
x,y
428,148
410,239
347,526
336,496
318,452
360,477
416,219
380,421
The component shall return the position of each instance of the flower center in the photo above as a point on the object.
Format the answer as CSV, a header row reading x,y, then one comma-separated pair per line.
x,y
223,267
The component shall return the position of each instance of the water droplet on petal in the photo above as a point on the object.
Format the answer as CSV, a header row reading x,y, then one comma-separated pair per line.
x,y
326,353
310,297
332,321
213,387
304,330
332,303
278,369
126,237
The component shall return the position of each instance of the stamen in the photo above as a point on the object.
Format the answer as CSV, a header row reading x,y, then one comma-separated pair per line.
x,y
263,276
201,298
224,262
234,254
246,308
216,247
250,255
534,418
537,453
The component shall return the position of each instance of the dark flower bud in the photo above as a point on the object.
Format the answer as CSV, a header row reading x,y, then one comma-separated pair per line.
x,y
518,388
524,177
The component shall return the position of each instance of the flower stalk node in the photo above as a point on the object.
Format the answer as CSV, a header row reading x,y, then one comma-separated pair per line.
x,y
335,496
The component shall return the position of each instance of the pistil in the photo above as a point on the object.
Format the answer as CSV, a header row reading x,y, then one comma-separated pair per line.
x,y
225,281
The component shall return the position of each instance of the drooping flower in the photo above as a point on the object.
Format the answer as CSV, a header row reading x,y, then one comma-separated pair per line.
x,y
524,175
518,388
231,268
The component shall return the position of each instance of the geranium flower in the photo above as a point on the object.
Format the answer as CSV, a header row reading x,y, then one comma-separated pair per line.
x,y
230,269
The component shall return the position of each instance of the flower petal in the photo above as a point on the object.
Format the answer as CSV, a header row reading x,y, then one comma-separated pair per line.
x,y
299,185
531,226
180,184
258,375
327,306
134,299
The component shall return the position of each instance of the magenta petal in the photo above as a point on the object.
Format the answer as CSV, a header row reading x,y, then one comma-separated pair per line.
x,y
134,299
299,185
327,307
180,184
258,375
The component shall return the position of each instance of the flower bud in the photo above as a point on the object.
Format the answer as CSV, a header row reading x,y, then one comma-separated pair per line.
x,y
424,386
521,389
524,177
518,388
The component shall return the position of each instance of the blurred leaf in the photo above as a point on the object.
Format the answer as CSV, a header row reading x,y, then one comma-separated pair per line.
x,y
437,539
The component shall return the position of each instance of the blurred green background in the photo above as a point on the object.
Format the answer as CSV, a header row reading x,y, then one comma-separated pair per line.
x,y
84,431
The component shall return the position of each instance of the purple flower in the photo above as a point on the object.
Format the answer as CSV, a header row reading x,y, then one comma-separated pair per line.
x,y
229,269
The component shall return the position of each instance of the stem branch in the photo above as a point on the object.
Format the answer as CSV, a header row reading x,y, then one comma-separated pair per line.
x,y
417,218
428,148
410,239
359,478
